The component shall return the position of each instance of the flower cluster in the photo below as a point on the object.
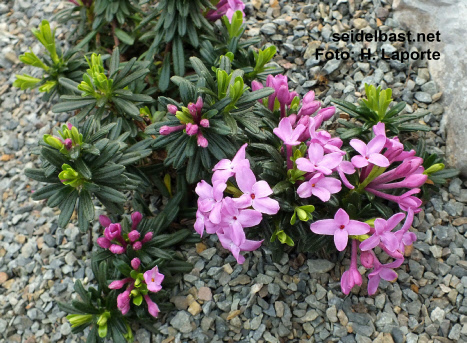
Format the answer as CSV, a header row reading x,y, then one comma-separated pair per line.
x,y
138,286
69,139
375,176
227,8
228,217
191,120
116,241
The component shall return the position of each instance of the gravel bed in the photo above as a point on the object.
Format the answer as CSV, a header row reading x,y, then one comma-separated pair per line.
x,y
295,300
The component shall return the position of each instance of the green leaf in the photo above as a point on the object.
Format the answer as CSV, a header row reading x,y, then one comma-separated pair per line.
x,y
60,196
66,106
86,203
47,191
83,169
164,78
131,78
67,208
111,194
178,57
124,37
108,172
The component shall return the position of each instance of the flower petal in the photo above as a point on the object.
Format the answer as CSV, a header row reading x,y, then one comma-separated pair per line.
x,y
322,193
388,274
304,190
390,241
341,217
376,144
245,179
266,205
355,227
359,146
341,238
249,218
249,245
153,309
378,160
370,243
373,283
324,227
261,189
305,165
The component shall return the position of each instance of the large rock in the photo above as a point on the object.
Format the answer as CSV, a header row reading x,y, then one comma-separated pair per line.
x,y
450,18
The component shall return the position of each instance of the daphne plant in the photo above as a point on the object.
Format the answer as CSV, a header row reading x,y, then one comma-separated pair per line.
x,y
375,109
196,131
55,65
81,163
106,95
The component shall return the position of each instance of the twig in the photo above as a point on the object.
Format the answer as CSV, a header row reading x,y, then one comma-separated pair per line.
x,y
116,41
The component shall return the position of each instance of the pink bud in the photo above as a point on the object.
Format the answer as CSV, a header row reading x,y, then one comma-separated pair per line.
x,y
283,94
69,126
133,235
137,245
172,109
193,110
117,249
136,218
309,108
204,123
117,284
292,95
327,112
103,242
199,105
167,130
367,259
191,129
255,85
147,237
309,97
104,220
202,141
68,143
113,231
135,263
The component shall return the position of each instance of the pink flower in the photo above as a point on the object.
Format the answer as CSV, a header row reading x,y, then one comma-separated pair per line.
x,y
113,231
153,279
104,242
191,129
340,227
136,218
153,309
234,220
255,194
117,284
167,130
367,259
288,135
225,168
351,277
346,167
137,245
319,162
172,109
210,199
227,241
123,300
226,7
201,140
117,249
104,220
369,153
382,272
147,237
406,201
135,263
327,112
133,235
319,186
383,234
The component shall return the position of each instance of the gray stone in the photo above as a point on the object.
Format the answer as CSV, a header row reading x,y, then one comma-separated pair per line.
x,y
423,97
181,322
319,266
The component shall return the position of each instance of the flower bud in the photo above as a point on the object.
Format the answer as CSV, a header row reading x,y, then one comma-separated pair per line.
x,y
202,141
79,319
68,144
167,130
133,236
172,109
103,242
137,245
255,85
113,231
54,142
136,218
367,259
147,237
104,220
204,122
193,110
191,129
135,263
199,105
117,249
309,97
69,126
327,112
434,169
283,94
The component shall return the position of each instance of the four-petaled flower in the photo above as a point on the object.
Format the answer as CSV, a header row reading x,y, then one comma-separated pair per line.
x,y
255,194
369,153
153,279
383,234
382,271
317,161
289,135
319,186
340,227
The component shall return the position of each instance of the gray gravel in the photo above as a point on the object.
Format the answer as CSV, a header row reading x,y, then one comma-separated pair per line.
x,y
296,300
